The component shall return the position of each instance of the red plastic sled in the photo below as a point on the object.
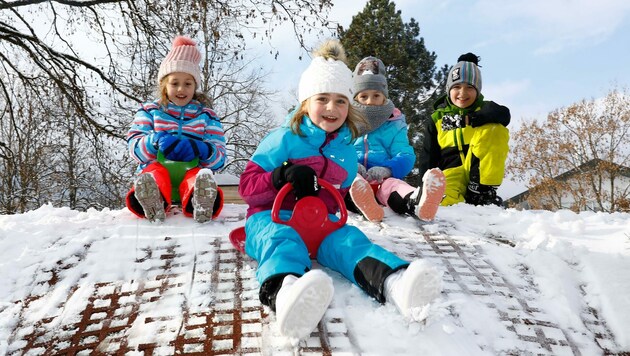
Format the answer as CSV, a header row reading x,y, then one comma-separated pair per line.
x,y
309,218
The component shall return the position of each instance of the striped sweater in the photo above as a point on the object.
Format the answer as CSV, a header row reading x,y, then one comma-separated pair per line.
x,y
193,121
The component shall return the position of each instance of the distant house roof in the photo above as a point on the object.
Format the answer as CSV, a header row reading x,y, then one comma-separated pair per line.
x,y
585,167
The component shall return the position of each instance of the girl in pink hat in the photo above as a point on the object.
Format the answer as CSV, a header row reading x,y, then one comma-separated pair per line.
x,y
177,127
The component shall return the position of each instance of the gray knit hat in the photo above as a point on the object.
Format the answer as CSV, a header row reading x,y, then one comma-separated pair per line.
x,y
370,73
465,71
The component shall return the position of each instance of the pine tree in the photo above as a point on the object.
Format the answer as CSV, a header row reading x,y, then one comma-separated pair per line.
x,y
413,80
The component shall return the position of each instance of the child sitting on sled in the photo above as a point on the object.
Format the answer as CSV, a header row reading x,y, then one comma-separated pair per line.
x,y
384,154
180,128
316,142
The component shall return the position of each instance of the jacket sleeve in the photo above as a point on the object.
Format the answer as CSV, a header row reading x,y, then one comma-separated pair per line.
x,y
256,186
214,135
430,149
402,155
491,112
140,137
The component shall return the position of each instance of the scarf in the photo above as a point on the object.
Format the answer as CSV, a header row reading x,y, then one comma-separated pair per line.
x,y
375,115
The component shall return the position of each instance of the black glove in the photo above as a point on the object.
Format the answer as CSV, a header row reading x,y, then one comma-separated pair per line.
x,y
490,112
303,179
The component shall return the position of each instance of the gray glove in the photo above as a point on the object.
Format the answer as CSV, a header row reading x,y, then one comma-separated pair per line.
x,y
362,171
378,174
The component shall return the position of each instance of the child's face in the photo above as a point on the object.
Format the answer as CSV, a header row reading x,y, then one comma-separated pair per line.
x,y
463,95
328,111
180,88
371,97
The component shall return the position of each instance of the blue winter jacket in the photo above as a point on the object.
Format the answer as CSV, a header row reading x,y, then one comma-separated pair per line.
x,y
193,121
387,146
331,155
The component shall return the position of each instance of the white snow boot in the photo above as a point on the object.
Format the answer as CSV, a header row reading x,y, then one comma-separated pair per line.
x,y
148,195
413,287
204,194
302,302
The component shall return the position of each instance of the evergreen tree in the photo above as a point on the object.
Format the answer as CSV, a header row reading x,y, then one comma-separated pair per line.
x,y
414,82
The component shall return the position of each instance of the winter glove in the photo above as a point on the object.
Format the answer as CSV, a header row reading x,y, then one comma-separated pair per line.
x,y
490,112
201,149
378,174
303,179
362,171
154,137
451,122
176,149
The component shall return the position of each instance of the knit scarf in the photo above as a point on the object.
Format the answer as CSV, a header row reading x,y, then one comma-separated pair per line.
x,y
375,115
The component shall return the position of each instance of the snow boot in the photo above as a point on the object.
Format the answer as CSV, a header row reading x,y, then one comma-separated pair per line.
x,y
413,287
148,195
481,194
425,204
204,194
302,302
363,197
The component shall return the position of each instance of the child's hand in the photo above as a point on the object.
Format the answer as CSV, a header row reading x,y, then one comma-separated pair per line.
x,y
378,174
202,149
490,112
155,138
303,179
362,171
175,149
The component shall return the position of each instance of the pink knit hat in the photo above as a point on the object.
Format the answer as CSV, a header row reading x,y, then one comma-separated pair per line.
x,y
184,57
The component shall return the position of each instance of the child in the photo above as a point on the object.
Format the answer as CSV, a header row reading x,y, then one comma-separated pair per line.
x,y
385,155
467,138
180,127
316,143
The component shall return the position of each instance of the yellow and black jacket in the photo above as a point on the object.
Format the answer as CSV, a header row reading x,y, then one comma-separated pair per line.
x,y
468,144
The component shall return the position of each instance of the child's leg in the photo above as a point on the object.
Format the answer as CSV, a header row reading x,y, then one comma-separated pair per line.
x,y
279,251
456,183
150,196
201,197
393,186
349,252
422,202
488,150
298,296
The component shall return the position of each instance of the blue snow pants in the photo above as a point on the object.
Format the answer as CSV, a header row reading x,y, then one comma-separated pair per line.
x,y
280,250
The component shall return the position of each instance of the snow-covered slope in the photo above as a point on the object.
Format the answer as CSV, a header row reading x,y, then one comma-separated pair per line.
x,y
515,282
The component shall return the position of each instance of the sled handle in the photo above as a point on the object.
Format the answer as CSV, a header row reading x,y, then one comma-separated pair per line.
x,y
277,203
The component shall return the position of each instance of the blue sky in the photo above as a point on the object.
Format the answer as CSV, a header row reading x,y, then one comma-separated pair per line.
x,y
536,55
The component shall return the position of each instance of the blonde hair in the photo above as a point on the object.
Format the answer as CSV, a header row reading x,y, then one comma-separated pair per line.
x,y
163,97
354,120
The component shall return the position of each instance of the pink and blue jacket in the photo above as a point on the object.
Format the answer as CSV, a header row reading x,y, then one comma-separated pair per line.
x,y
193,121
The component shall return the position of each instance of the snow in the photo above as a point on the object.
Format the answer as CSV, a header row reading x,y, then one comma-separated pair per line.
x,y
54,259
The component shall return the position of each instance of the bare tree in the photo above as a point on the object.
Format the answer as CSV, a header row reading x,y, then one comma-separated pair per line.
x,y
73,72
579,152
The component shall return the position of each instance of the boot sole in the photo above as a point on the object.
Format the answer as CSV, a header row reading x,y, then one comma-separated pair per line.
x,y
204,195
433,187
148,195
363,197
424,284
309,298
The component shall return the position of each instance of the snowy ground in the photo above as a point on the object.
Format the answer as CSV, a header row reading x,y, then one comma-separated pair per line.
x,y
530,282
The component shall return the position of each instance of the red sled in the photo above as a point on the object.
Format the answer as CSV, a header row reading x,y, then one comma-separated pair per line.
x,y
310,218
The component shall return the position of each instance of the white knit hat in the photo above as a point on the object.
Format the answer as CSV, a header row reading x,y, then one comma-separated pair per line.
x,y
184,57
327,73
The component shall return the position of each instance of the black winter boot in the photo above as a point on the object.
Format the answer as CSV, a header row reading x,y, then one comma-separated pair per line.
x,y
480,194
